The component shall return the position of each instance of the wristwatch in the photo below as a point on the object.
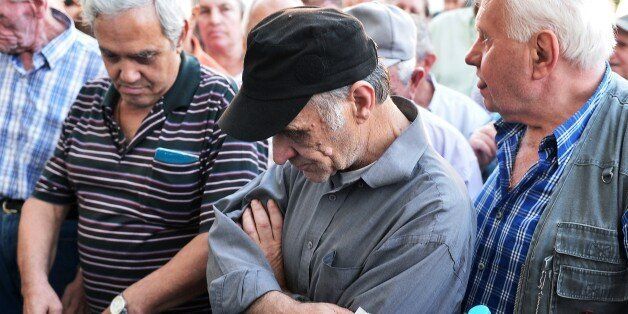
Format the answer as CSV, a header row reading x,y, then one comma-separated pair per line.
x,y
118,305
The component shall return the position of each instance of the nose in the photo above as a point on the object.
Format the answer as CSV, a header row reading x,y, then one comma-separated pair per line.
x,y
282,150
215,16
474,56
129,74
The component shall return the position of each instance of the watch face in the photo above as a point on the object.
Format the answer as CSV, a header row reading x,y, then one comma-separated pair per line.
x,y
117,305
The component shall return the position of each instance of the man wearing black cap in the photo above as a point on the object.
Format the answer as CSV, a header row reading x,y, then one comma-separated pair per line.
x,y
359,212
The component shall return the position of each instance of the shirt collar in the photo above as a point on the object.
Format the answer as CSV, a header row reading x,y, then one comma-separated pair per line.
x,y
57,48
181,93
399,160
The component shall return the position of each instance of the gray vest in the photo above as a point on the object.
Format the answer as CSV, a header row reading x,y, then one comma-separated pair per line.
x,y
577,261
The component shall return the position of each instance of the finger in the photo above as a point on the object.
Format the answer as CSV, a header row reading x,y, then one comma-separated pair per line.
x,y
276,219
248,225
489,141
262,222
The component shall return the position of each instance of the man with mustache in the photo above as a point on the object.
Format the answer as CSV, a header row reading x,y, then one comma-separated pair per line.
x,y
370,211
44,61
143,158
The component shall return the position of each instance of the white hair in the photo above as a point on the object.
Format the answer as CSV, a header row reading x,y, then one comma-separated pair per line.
x,y
171,16
330,104
584,28
424,44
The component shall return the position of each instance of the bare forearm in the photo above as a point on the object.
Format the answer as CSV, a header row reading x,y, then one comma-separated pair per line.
x,y
277,302
37,238
180,280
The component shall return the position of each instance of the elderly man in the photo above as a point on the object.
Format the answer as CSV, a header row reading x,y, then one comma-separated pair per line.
x,y
383,22
553,219
143,158
44,61
619,59
370,210
416,82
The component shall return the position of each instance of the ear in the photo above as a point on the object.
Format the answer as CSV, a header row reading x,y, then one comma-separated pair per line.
x,y
415,81
428,62
545,52
363,100
40,7
184,35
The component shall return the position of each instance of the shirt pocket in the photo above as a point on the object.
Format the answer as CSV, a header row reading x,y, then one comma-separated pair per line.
x,y
173,191
589,271
332,281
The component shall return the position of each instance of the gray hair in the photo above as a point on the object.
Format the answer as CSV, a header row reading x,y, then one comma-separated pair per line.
x,y
171,16
405,70
424,44
328,104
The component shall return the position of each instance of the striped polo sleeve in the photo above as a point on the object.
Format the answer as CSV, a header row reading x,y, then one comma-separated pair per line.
x,y
230,164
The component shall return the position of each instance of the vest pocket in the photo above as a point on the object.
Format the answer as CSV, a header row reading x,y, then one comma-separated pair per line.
x,y
590,274
592,285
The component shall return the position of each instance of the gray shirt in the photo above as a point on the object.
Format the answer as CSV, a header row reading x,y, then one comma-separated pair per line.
x,y
397,238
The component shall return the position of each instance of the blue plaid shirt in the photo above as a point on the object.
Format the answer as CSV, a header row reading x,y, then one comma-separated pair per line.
x,y
507,219
33,104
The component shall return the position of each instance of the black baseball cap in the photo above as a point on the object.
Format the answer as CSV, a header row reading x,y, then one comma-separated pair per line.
x,y
292,55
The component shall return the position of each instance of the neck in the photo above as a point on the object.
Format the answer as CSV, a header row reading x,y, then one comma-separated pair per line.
x,y
231,61
386,124
45,31
563,94
424,94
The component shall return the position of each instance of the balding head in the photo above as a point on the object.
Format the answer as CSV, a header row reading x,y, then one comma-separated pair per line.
x,y
260,9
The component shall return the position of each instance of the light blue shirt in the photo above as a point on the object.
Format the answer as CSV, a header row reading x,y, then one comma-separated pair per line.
x,y
34,104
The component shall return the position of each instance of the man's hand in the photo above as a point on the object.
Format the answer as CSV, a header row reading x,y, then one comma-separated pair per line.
x,y
41,299
483,143
73,299
264,226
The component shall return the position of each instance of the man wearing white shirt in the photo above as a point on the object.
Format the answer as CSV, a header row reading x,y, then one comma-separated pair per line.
x,y
414,81
383,22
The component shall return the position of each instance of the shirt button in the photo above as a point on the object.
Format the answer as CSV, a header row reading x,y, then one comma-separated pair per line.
x,y
332,197
499,215
481,266
310,245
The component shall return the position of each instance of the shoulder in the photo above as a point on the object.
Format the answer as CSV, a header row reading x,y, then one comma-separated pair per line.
x,y
440,130
86,44
215,87
90,95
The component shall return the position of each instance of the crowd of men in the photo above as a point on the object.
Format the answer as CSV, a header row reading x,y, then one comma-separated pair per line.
x,y
289,156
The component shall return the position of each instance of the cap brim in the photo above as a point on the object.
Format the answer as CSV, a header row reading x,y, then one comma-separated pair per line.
x,y
387,63
249,119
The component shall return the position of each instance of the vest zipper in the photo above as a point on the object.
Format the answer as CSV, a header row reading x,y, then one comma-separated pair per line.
x,y
519,284
546,266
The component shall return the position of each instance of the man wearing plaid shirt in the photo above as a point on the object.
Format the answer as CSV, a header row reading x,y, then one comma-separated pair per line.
x,y
44,61
553,217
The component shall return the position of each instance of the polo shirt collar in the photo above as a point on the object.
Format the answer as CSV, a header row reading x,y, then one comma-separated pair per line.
x,y
400,159
57,48
180,95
